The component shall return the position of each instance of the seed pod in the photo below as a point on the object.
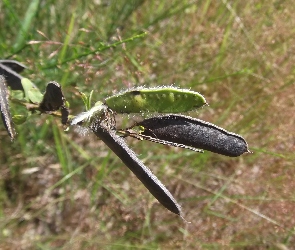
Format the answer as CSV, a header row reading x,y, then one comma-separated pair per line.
x,y
14,65
160,100
143,173
54,100
194,133
10,69
64,115
4,108
140,136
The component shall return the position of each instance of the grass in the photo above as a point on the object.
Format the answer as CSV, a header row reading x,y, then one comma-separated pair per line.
x,y
60,190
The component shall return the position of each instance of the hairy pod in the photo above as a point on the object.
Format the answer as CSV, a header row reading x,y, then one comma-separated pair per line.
x,y
160,100
14,65
194,133
118,145
4,108
53,100
10,70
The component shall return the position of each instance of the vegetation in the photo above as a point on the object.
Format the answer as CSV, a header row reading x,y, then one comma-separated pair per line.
x,y
60,190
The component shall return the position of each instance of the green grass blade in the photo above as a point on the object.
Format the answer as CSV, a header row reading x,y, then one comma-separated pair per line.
x,y
61,149
26,25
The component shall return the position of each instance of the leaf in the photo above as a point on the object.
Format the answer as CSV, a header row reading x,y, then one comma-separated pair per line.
x,y
17,94
19,119
35,96
87,99
32,93
84,99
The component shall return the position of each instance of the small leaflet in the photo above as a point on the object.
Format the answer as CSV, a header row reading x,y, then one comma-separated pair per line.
x,y
4,106
32,93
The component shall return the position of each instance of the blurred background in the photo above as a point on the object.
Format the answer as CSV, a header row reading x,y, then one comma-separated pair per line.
x,y
60,190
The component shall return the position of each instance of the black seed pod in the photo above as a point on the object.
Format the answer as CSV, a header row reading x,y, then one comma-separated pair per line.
x,y
143,173
10,70
14,65
194,133
54,100
4,108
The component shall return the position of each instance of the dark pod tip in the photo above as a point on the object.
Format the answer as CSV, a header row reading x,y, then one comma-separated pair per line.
x,y
53,100
13,79
14,65
195,133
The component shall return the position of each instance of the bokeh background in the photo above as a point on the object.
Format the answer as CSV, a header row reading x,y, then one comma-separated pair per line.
x,y
60,190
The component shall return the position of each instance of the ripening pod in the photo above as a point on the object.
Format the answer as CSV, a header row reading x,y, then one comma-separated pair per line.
x,y
159,99
194,133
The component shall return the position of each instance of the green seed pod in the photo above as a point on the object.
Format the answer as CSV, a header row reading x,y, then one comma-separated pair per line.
x,y
160,100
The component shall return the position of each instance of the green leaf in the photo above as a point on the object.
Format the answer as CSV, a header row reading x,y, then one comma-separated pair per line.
x,y
87,100
17,94
19,119
32,94
35,96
